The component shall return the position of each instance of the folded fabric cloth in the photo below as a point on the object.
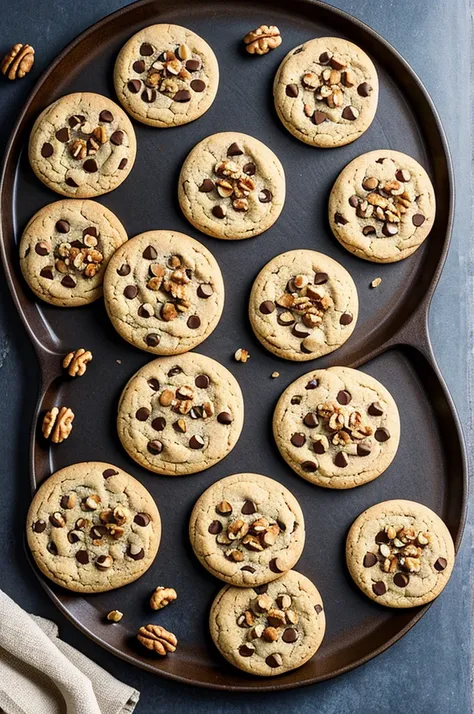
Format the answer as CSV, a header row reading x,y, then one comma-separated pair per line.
x,y
41,674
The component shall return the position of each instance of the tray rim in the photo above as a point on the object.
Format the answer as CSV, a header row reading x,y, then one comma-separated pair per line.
x,y
417,319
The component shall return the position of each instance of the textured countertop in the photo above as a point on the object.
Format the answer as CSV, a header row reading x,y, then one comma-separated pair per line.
x,y
429,670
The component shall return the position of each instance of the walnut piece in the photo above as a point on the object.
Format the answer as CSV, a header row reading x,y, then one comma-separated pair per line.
x,y
262,40
76,362
241,355
162,597
18,61
57,424
157,639
115,616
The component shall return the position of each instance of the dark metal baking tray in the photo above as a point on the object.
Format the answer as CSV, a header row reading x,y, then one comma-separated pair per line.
x,y
390,342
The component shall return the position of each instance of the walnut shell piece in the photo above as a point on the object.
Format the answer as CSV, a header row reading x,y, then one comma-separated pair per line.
x,y
18,61
76,362
162,597
157,639
262,40
57,424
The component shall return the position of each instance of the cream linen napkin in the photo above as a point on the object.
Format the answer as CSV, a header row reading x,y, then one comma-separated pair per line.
x,y
40,674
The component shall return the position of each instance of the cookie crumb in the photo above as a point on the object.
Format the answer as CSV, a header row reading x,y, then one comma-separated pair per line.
x,y
375,283
119,361
115,616
274,375
241,355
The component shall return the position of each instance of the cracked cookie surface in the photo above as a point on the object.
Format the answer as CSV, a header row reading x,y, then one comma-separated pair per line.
x,y
164,292
83,145
166,75
247,529
400,553
92,527
180,415
337,427
303,304
326,92
382,206
231,186
65,248
271,629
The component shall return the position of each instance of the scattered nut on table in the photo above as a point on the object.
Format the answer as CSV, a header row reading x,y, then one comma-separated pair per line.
x,y
157,639
262,40
162,597
241,355
18,61
57,424
115,616
77,362
275,375
375,283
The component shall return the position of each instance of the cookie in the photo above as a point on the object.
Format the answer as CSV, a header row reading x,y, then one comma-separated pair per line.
x,y
166,75
65,248
337,427
303,305
247,529
400,553
231,186
164,292
91,527
180,415
271,629
382,206
82,145
326,92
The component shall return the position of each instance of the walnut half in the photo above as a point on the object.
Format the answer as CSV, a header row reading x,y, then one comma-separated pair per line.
x,y
57,424
262,40
157,639
162,597
76,362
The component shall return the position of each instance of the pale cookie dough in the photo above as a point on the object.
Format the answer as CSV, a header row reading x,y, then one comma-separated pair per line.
x,y
303,305
337,427
92,527
271,629
166,75
65,248
326,92
400,553
382,206
83,145
247,529
231,186
164,292
180,415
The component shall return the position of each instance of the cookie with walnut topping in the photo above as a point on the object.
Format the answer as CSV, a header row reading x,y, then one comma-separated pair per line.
x,y
164,292
400,553
92,527
382,206
303,305
65,248
337,427
180,415
231,186
247,529
166,75
270,629
83,145
326,92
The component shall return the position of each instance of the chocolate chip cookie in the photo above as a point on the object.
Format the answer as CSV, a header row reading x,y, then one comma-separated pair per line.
x,y
303,305
166,75
82,145
231,186
400,553
65,248
180,415
91,527
326,92
337,427
164,292
269,629
247,529
382,206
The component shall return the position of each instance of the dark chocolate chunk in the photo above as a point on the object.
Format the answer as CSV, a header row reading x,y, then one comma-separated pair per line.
x,y
174,370
130,292
68,282
215,527
379,588
290,635
364,89
344,397
368,230
250,169
363,449
47,150
150,253
246,650
311,420
146,50
154,384
265,196
218,212
196,442
183,95
248,508
375,409
350,113
134,86
135,556
440,564
275,567
369,560
82,557
202,381
123,163
319,118
401,580
339,218
148,95
152,339
321,278
341,460
142,519
63,134
292,90
158,424
47,273
382,434
192,65
117,138
312,384
70,182
234,150
298,439
109,472
267,307
90,165
382,537
106,116
207,186
346,318
42,248
193,322
224,418
418,219
205,291
389,229
155,447
197,85
138,66
309,467
299,331
142,414
354,201
39,526
52,548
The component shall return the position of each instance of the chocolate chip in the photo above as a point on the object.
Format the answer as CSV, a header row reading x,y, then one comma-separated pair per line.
x,y
344,397
364,89
290,635
363,449
158,424
318,447
68,282
274,660
275,566
265,196
296,400
47,273
197,85
382,434
267,307
248,569
354,201
77,244
260,589
250,169
389,229
318,609
39,526
148,95
350,113
312,384
117,138
134,86
174,370
299,331
321,278
143,311
90,165
292,90
311,420
106,116
341,460
70,182
72,537
109,472
319,118
52,548
155,447
339,218
287,320
82,557
418,219
63,134
246,650
207,186
192,65
42,248
218,212
196,442
135,556
146,50
142,414
375,409
130,292
368,230
440,564
234,150
142,519
215,527
152,339
75,120
98,532
324,58
224,418
298,439
309,467
46,150
379,588
183,95
196,412
138,66
248,508
193,322
202,381
369,560
381,537
150,253
346,318
401,580
154,384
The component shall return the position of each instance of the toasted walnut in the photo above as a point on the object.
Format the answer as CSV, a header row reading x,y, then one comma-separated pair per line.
x,y
263,602
262,40
121,515
228,168
240,204
237,529
276,618
236,555
241,355
78,149
76,362
270,634
57,424
157,639
168,312
375,282
114,616
91,503
18,61
162,597
166,397
251,542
